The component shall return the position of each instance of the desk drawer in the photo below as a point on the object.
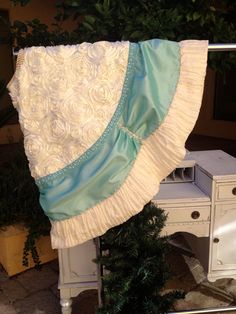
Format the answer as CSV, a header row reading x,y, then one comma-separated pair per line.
x,y
188,214
226,191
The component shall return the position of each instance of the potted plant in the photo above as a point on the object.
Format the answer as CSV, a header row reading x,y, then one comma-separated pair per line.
x,y
24,235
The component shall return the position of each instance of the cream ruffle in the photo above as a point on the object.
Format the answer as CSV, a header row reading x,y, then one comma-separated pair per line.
x,y
159,155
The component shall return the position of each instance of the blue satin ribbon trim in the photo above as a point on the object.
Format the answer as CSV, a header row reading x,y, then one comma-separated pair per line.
x,y
150,83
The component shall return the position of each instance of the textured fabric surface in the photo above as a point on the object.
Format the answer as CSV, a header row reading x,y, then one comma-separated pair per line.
x,y
141,141
66,96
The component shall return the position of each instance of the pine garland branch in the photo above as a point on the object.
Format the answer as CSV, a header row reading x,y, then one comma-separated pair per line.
x,y
134,258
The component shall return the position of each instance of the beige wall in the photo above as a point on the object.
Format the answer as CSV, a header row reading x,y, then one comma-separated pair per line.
x,y
44,10
41,9
206,125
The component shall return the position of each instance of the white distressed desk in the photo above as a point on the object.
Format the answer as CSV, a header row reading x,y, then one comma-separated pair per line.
x,y
200,198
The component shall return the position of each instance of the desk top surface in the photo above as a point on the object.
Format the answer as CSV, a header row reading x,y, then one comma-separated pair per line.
x,y
215,163
180,193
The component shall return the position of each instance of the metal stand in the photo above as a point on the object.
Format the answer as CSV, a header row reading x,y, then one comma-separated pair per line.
x,y
222,47
210,310
211,47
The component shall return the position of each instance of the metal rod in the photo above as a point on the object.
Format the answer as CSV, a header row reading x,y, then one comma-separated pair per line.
x,y
222,47
211,47
209,310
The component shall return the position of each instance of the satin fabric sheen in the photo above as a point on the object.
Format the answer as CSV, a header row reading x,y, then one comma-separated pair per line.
x,y
150,83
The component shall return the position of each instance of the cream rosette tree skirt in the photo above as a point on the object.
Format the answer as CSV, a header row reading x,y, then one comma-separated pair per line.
x,y
103,124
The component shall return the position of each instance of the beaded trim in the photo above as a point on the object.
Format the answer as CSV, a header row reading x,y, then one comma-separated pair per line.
x,y
131,134
131,61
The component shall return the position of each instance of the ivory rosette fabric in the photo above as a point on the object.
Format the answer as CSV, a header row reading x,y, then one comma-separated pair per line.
x,y
103,124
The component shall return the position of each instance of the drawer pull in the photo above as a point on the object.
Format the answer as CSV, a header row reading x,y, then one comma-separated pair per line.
x,y
216,240
234,191
195,214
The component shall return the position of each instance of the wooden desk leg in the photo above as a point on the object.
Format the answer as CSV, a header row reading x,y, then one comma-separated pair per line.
x,y
99,270
66,306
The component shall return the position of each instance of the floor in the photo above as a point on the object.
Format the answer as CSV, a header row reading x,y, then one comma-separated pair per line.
x,y
35,292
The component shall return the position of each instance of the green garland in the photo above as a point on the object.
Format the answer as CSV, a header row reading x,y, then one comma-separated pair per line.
x,y
135,20
134,254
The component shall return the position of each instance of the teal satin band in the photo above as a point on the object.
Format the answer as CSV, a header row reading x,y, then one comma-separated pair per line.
x,y
156,73
150,83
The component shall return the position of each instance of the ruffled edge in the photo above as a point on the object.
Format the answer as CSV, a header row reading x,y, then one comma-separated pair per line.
x,y
13,86
160,153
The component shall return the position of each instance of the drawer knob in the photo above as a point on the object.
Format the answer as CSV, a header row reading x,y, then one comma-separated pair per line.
x,y
234,191
195,214
216,240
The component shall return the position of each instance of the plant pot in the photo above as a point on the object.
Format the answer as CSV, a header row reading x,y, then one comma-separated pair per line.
x,y
12,240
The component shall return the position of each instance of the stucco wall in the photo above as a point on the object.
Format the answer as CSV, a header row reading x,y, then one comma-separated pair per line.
x,y
44,10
